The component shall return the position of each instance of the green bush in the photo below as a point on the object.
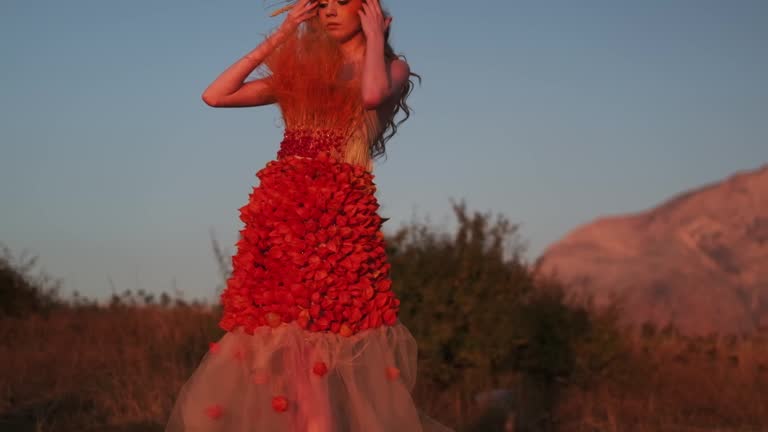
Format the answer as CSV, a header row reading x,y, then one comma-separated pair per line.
x,y
485,320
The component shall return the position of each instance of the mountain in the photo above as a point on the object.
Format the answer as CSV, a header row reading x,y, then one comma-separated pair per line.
x,y
698,260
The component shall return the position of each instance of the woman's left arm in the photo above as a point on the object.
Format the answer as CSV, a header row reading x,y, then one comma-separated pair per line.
x,y
380,81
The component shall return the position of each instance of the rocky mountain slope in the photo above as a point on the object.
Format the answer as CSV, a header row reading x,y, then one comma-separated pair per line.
x,y
698,260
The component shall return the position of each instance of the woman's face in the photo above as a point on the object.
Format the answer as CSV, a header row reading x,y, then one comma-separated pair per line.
x,y
339,18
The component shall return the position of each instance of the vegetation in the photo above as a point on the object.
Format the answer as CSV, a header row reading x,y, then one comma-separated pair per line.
x,y
502,348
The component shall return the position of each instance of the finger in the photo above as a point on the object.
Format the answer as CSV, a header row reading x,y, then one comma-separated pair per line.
x,y
301,6
363,20
376,6
375,14
389,21
310,12
298,5
369,10
307,9
307,16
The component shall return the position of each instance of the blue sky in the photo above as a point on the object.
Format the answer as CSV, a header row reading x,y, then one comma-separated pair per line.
x,y
552,113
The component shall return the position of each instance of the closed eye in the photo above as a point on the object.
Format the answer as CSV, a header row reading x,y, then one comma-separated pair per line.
x,y
340,2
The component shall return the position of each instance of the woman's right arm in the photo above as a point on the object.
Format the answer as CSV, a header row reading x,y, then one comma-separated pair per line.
x,y
230,90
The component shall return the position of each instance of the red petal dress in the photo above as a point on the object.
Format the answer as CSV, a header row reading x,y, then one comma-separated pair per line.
x,y
313,339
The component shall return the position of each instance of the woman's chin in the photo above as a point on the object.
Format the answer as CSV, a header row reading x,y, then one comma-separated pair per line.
x,y
334,33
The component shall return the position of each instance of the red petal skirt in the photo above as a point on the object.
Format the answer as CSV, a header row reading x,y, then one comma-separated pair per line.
x,y
311,251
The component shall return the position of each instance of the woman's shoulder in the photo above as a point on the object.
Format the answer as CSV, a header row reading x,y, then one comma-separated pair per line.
x,y
400,66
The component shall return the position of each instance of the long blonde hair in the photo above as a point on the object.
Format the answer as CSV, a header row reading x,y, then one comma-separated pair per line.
x,y
303,72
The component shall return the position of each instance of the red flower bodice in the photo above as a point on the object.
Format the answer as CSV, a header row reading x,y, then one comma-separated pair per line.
x,y
307,142
312,249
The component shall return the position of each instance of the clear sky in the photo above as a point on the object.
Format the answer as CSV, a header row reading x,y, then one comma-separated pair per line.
x,y
552,113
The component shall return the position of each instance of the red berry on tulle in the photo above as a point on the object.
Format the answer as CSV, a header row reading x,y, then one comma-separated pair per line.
x,y
214,411
393,373
320,368
280,403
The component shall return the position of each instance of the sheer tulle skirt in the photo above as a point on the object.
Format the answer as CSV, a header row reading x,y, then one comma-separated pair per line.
x,y
290,379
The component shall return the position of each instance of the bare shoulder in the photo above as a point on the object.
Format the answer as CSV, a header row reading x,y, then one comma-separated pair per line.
x,y
399,74
399,68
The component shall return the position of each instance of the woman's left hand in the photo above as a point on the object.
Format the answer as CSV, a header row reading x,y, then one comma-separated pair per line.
x,y
372,20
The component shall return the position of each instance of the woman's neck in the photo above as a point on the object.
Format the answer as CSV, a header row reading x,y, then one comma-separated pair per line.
x,y
354,48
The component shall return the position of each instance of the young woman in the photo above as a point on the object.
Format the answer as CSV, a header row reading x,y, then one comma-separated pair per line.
x,y
313,340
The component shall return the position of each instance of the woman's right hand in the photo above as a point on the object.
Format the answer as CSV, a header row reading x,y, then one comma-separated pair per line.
x,y
300,12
